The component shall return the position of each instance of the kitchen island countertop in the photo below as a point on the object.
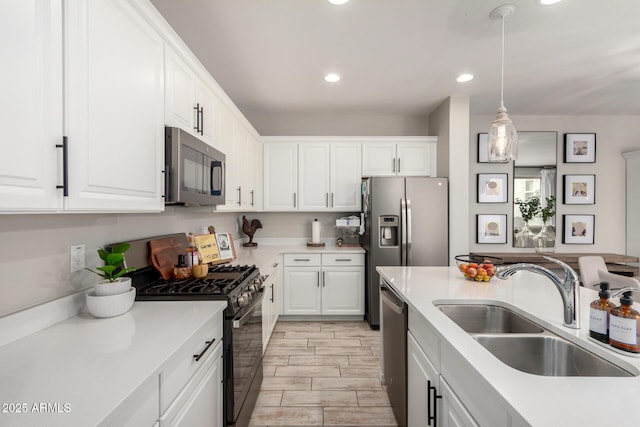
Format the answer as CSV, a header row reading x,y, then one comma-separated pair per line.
x,y
539,400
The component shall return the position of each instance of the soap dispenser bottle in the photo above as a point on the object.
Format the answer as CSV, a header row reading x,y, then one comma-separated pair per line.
x,y
624,326
599,315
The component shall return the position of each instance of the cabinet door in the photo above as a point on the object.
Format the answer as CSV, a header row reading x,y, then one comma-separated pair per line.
x,y
30,105
302,290
378,159
313,176
206,102
421,375
343,290
202,403
280,176
453,414
416,158
346,177
180,86
114,112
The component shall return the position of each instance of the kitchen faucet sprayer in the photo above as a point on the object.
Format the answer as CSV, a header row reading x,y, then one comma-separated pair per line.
x,y
567,286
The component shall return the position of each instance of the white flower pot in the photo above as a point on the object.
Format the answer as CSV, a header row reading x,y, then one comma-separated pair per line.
x,y
119,286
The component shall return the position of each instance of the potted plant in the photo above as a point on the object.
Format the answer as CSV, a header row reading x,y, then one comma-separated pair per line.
x,y
545,240
528,209
113,270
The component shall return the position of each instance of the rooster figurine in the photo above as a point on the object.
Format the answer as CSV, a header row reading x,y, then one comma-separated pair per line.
x,y
249,229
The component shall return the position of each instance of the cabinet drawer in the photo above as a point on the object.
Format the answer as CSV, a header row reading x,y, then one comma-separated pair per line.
x,y
302,260
425,336
338,260
182,364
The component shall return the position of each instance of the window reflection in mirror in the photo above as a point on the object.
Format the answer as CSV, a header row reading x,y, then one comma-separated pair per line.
x,y
534,174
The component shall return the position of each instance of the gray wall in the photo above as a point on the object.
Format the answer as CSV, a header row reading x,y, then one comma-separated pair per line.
x,y
614,135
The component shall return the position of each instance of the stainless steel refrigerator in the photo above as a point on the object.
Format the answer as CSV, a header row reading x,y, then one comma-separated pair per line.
x,y
406,222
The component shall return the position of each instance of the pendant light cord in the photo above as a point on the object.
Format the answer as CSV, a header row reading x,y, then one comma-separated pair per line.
x,y
502,67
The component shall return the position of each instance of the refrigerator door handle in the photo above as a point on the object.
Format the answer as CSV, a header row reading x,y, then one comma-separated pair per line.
x,y
408,227
403,231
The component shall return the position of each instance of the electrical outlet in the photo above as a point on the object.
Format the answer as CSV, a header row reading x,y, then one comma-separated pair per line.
x,y
77,257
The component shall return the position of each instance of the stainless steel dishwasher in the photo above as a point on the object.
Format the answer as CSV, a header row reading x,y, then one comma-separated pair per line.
x,y
394,339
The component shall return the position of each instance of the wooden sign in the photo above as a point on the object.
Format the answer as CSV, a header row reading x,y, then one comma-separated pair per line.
x,y
207,248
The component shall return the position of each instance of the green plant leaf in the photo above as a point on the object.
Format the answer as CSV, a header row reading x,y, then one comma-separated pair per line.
x,y
103,254
120,248
115,259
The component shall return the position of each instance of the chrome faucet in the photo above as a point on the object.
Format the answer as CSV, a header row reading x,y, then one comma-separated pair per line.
x,y
567,286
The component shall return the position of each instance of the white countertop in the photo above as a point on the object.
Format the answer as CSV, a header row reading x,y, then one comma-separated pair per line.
x,y
541,401
91,365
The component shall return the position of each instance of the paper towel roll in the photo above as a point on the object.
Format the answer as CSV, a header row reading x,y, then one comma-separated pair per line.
x,y
315,231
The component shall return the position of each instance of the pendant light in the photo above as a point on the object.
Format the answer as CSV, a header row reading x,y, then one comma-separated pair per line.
x,y
502,145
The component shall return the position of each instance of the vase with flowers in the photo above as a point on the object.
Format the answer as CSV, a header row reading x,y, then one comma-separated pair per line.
x,y
545,240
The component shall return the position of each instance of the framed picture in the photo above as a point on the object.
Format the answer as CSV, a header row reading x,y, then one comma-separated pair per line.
x,y
483,138
491,228
579,189
579,147
492,188
225,246
578,229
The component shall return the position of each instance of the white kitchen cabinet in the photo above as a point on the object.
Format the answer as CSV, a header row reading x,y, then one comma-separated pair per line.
x,y
271,303
31,105
342,290
114,108
453,413
314,185
280,176
422,377
409,157
189,103
327,176
200,401
327,284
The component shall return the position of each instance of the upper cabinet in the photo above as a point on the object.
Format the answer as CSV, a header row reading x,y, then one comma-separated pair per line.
x,y
407,156
31,105
114,108
189,103
311,174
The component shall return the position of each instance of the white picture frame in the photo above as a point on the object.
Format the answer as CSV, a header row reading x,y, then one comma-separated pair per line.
x,y
225,246
491,228
578,229
492,187
579,189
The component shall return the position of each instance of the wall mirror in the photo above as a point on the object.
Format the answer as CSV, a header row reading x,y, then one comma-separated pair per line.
x,y
534,174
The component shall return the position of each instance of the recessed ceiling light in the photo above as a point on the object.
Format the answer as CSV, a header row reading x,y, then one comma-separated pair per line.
x,y
548,2
332,78
464,78
338,1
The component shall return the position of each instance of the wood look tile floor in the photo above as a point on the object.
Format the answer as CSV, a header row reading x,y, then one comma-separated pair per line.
x,y
322,374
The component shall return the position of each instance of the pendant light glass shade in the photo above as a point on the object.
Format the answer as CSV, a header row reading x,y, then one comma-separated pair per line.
x,y
502,144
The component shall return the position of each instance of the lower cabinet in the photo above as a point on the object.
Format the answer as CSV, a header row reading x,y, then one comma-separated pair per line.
x,y
270,304
422,381
200,402
323,284
454,414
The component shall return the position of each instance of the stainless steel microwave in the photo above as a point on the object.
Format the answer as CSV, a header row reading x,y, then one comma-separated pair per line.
x,y
194,171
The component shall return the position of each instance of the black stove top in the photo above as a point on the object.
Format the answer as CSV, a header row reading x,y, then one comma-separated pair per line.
x,y
222,282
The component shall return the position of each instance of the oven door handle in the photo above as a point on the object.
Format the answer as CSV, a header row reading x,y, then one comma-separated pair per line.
x,y
237,323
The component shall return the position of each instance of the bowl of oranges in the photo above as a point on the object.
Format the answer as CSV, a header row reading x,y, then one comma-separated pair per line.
x,y
479,268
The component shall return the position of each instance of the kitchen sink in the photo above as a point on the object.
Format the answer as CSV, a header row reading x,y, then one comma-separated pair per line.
x,y
548,355
488,319
527,346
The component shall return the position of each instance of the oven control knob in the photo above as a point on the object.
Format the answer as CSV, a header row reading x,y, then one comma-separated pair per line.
x,y
241,301
253,288
247,296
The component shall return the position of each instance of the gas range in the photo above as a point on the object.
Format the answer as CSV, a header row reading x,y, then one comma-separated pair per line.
x,y
238,284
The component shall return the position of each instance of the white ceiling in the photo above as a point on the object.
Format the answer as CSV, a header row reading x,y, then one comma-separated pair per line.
x,y
579,57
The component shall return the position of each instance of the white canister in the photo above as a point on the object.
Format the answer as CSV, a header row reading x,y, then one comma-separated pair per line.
x,y
315,231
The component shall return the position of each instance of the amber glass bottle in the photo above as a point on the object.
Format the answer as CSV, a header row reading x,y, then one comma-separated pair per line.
x,y
599,315
624,326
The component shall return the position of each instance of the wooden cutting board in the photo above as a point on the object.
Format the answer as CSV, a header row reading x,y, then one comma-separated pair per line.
x,y
164,252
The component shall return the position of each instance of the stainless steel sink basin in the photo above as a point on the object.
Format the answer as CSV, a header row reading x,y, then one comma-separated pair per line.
x,y
548,355
488,319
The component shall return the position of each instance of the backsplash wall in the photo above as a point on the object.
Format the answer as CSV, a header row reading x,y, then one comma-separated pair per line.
x,y
34,249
